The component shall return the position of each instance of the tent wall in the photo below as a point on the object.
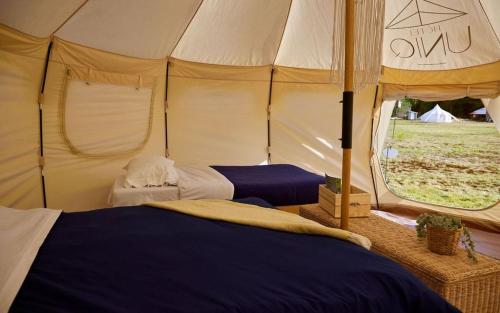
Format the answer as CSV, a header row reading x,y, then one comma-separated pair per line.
x,y
475,82
312,140
100,110
493,107
153,26
381,126
217,114
22,62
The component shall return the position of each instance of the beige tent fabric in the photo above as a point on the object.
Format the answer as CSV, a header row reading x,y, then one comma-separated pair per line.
x,y
314,39
493,108
309,38
436,93
22,60
476,82
37,18
306,126
382,122
467,76
234,32
142,29
429,35
491,9
76,181
87,106
217,120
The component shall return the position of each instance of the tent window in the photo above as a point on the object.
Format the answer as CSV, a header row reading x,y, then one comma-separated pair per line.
x,y
104,120
440,153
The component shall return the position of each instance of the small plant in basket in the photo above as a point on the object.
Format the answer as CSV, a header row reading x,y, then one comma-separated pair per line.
x,y
443,233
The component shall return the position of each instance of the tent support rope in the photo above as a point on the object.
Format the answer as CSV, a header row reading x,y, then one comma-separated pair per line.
x,y
347,108
40,122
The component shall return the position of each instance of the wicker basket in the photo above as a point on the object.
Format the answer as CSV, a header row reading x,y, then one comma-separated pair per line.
x,y
443,241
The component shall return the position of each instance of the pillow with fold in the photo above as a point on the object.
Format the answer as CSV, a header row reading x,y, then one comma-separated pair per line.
x,y
150,171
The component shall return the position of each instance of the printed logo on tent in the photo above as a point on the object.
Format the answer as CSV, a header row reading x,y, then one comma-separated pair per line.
x,y
421,13
421,35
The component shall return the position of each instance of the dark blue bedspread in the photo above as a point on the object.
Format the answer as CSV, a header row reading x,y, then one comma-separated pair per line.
x,y
144,259
278,184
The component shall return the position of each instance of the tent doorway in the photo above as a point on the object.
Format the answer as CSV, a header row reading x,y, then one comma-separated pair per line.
x,y
454,164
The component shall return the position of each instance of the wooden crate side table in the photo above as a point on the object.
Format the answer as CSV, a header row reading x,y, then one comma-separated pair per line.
x,y
471,287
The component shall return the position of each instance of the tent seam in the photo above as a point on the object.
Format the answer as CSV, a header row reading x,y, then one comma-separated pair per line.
x,y
69,17
282,33
185,29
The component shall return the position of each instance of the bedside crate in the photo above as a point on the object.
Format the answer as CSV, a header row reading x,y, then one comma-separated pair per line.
x,y
359,202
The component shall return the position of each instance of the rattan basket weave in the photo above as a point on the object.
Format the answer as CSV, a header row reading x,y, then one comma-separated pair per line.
x,y
442,241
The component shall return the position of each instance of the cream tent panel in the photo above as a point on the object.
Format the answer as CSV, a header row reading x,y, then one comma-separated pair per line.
x,y
35,17
217,114
143,29
127,88
307,40
90,105
22,60
475,82
234,32
430,35
491,9
493,108
381,126
306,127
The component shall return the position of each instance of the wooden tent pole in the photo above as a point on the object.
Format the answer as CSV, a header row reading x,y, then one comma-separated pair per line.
x,y
347,107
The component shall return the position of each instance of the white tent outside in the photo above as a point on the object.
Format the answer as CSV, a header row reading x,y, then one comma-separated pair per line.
x,y
130,62
437,115
481,111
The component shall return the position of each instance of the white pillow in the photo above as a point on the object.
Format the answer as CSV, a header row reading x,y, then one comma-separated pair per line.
x,y
147,171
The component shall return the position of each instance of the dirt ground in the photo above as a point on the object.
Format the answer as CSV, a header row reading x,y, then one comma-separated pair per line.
x,y
455,164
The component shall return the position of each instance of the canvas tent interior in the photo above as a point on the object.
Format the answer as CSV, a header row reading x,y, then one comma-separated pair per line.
x,y
85,86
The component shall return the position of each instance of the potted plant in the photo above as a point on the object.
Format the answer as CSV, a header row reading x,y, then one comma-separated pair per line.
x,y
443,233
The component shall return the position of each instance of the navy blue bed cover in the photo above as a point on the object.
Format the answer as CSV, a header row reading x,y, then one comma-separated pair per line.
x,y
144,259
278,184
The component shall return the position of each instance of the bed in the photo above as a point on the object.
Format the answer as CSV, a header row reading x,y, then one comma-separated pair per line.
x,y
278,184
147,259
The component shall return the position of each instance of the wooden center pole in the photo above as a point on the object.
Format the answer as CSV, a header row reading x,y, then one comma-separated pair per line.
x,y
347,107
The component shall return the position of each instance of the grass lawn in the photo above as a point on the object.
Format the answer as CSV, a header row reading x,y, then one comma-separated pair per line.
x,y
455,164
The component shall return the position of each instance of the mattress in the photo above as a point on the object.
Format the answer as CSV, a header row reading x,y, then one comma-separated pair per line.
x,y
144,259
121,196
278,184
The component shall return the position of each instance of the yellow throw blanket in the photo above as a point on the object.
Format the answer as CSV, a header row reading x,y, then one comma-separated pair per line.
x,y
253,215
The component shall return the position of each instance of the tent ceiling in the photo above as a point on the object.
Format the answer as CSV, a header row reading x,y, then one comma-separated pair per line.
x,y
440,35
144,29
304,43
37,18
232,32
419,34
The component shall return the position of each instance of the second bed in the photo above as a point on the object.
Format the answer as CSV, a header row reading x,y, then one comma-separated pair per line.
x,y
278,184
